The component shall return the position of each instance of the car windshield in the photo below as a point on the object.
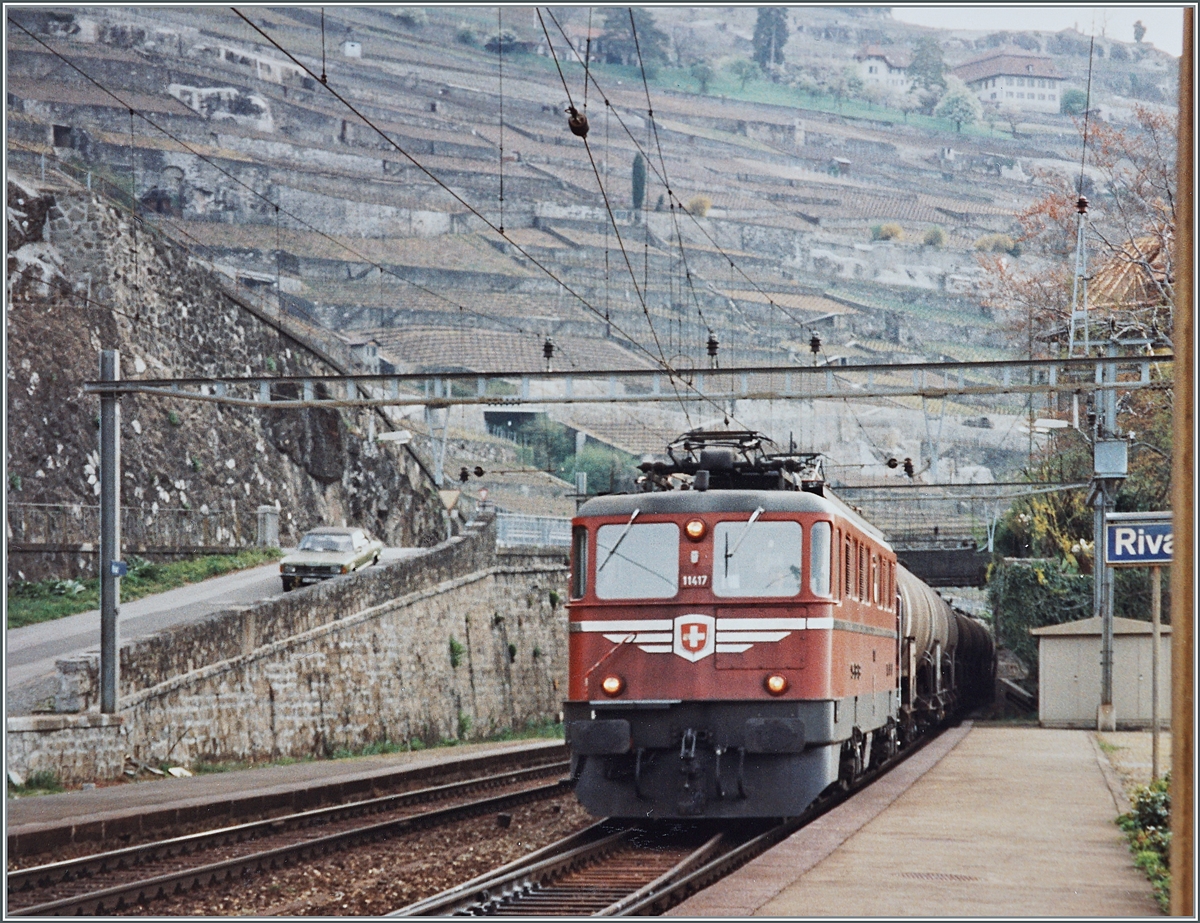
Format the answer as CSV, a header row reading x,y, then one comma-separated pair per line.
x,y
637,561
767,563
319,542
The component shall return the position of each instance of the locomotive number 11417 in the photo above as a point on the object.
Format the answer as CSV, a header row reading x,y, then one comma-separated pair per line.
x,y
695,579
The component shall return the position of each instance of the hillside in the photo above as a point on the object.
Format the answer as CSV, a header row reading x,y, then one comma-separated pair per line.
x,y
762,209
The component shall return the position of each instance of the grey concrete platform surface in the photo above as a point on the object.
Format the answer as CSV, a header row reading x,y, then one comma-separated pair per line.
x,y
156,806
985,821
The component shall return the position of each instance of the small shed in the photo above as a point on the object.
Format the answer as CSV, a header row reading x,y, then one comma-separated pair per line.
x,y
1069,674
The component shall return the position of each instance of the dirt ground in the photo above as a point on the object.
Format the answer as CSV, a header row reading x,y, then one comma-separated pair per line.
x,y
1130,755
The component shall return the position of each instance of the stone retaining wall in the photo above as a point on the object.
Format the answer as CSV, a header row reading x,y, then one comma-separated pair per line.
x,y
459,642
73,747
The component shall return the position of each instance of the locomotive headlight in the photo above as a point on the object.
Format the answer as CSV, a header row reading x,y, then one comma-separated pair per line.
x,y
776,684
695,530
612,685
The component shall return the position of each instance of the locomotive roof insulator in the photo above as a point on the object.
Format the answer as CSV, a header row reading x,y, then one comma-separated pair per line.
x,y
713,345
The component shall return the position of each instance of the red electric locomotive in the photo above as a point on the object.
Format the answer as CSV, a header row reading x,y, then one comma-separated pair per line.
x,y
740,639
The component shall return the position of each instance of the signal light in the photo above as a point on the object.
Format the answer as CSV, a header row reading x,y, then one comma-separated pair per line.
x,y
612,685
695,530
776,684
908,467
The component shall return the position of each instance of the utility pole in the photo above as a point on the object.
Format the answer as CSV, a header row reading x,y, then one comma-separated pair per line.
x,y
1110,456
111,567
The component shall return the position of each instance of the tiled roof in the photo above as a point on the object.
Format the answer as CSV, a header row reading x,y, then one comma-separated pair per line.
x,y
895,57
1006,63
1127,279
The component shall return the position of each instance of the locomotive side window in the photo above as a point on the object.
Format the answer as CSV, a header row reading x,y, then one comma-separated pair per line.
x,y
579,562
875,579
820,561
637,561
764,561
862,572
849,571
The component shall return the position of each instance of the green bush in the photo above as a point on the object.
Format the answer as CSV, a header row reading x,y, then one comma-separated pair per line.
x,y
456,652
1031,593
1148,827
934,237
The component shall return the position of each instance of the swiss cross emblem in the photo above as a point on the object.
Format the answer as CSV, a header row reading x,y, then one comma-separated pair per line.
x,y
694,636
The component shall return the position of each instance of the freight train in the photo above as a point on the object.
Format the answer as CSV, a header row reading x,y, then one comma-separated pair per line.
x,y
741,640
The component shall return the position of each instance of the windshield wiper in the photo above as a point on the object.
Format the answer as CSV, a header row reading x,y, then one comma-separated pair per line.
x,y
741,538
620,538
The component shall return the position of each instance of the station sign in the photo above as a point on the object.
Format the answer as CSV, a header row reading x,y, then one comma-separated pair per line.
x,y
1138,539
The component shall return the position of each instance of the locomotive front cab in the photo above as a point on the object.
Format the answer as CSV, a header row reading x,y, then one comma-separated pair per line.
x,y
703,651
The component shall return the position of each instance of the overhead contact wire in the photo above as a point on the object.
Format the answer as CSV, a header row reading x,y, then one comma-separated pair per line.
x,y
254,192
455,195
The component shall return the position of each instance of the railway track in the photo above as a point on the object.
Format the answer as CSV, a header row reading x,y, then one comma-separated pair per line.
x,y
109,881
614,870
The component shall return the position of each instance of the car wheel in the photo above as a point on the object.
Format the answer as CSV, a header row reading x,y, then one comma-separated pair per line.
x,y
288,583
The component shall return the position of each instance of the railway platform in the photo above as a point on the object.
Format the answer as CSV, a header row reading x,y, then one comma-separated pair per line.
x,y
991,821
159,807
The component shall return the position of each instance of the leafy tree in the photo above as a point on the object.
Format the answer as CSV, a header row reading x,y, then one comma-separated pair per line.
x,y
745,71
1073,102
639,181
928,68
702,74
618,39
1139,31
770,35
959,105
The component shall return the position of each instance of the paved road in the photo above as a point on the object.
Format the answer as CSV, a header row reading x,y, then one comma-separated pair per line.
x,y
32,650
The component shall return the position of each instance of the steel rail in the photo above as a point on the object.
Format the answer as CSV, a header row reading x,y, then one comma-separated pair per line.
x,y
116,896
505,886
50,874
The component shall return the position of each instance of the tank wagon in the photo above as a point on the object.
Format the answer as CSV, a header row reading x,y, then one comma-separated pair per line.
x,y
741,640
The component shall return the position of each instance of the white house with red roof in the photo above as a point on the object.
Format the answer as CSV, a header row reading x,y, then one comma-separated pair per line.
x,y
885,66
1011,77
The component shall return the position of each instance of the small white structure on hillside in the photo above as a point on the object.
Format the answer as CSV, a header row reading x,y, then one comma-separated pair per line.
x,y
884,66
1014,78
351,49
1069,673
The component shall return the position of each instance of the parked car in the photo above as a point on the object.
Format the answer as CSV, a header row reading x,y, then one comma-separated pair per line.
x,y
328,552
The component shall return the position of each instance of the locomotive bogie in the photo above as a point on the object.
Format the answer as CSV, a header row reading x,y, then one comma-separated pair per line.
x,y
714,759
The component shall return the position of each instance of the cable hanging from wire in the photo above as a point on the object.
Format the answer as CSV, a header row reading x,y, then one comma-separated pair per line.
x,y
658,360
712,240
258,195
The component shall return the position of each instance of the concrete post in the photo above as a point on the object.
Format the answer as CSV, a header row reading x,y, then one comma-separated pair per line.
x,y
110,531
268,527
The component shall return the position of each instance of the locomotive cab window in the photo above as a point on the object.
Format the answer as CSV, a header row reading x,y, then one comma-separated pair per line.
x,y
579,562
637,561
820,558
752,558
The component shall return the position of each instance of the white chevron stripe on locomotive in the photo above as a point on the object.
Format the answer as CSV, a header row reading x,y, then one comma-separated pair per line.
x,y
731,635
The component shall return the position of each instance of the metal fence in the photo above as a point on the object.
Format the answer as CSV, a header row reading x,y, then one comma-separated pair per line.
x,y
515,529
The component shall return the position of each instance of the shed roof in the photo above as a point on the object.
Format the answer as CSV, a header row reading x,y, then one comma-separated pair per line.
x,y
1091,626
